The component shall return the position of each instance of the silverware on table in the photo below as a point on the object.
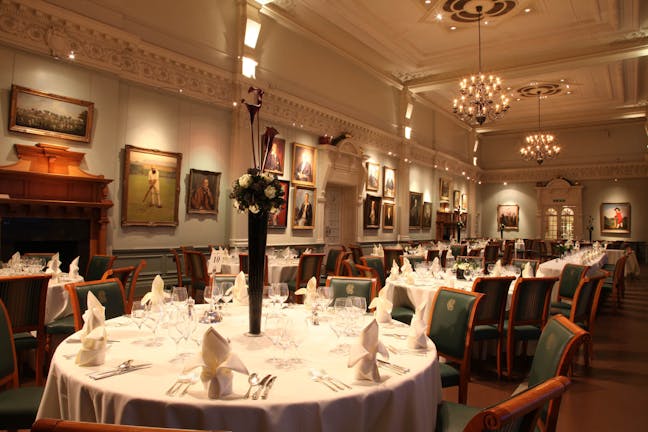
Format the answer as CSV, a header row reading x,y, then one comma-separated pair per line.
x,y
262,384
123,368
396,368
335,381
268,387
315,376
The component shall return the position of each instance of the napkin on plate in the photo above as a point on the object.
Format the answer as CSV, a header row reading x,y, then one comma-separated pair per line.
x,y
363,354
54,265
407,266
497,269
417,339
93,335
239,290
310,291
156,295
73,272
383,307
527,271
218,363
215,261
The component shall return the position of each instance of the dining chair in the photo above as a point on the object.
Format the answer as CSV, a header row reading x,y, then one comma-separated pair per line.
x,y
348,286
196,263
57,425
18,405
371,273
25,298
489,319
431,254
558,344
183,277
475,252
508,253
109,292
340,268
413,259
518,413
377,264
309,266
349,267
451,323
132,288
527,314
356,252
570,277
459,250
391,254
121,273
331,260
615,284
521,263
244,266
491,253
98,265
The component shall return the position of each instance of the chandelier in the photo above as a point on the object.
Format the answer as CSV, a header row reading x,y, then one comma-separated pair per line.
x,y
540,145
481,96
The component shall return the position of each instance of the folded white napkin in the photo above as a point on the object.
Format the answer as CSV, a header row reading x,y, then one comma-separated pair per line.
x,y
407,266
310,291
527,272
218,363
381,251
569,243
497,269
394,270
410,278
15,259
436,265
215,261
375,251
308,251
156,296
239,290
383,307
73,272
93,335
417,339
54,265
363,354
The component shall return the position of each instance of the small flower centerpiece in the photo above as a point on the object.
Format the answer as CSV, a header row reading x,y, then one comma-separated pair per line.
x,y
461,267
258,194
590,227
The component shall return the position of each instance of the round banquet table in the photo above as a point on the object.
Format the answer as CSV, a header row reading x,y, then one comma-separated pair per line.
x,y
296,403
57,303
279,269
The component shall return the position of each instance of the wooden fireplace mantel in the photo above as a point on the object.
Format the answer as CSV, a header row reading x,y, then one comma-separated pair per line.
x,y
47,182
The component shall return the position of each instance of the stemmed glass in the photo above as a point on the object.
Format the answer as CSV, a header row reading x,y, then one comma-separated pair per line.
x,y
227,293
176,324
357,310
339,324
275,326
282,293
178,296
297,332
138,314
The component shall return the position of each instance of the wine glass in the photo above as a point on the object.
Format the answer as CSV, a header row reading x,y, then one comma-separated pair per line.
x,y
179,295
358,310
175,322
217,292
138,314
274,329
339,324
268,297
297,332
282,293
468,274
227,293
323,297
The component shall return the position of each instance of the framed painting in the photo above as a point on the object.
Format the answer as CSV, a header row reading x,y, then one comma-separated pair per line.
x,y
280,219
509,216
389,182
203,192
372,211
456,199
464,202
388,216
39,113
274,162
373,176
615,218
150,187
304,210
304,163
444,190
426,222
415,209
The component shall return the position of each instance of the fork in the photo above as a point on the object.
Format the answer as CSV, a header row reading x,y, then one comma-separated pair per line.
x,y
177,385
335,381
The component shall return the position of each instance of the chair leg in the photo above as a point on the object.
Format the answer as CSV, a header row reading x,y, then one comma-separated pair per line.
x,y
510,351
499,358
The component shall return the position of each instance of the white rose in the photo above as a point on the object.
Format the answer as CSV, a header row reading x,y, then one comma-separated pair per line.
x,y
270,192
236,204
267,177
245,180
254,208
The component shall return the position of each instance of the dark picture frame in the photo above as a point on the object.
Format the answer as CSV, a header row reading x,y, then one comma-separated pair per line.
x,y
373,176
303,218
509,216
615,218
203,192
279,220
39,113
304,165
141,204
426,219
444,190
372,207
415,209
456,199
389,182
275,161
389,216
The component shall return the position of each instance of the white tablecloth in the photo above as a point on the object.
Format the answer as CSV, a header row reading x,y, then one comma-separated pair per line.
x,y
57,304
279,269
554,267
631,265
399,402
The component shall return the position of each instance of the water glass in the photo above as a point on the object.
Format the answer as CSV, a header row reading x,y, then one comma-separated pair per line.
x,y
179,295
138,313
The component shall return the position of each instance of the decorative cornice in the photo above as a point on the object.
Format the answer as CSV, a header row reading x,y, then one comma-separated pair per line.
x,y
583,172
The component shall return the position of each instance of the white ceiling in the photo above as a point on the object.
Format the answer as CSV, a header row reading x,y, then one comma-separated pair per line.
x,y
592,53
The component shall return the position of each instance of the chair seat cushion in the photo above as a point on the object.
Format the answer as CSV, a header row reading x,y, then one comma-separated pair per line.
x,y
524,332
453,417
24,341
485,332
63,325
402,314
18,407
449,375
560,311
560,305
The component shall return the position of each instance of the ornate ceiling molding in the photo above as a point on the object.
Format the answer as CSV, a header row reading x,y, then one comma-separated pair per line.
x,y
584,172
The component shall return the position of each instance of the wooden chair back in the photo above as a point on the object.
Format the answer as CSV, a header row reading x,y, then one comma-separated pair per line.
x,y
347,286
130,292
178,258
98,265
332,259
587,293
339,265
390,255
377,264
109,292
520,263
508,253
570,277
618,280
309,266
431,254
356,252
121,273
371,273
8,362
196,263
493,303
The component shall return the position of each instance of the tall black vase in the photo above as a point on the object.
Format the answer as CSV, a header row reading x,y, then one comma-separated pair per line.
x,y
257,235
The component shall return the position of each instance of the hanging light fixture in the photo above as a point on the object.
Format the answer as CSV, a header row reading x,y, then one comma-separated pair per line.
x,y
481,96
540,145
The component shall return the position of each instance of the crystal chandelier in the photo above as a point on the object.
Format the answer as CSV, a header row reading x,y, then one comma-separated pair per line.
x,y
481,96
540,145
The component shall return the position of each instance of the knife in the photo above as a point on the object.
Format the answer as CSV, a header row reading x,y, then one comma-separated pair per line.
x,y
107,374
268,387
393,366
262,384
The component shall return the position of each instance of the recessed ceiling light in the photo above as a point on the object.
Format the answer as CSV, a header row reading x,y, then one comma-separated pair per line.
x,y
517,99
428,1
527,10
569,92
505,184
479,182
453,28
439,17
562,80
485,22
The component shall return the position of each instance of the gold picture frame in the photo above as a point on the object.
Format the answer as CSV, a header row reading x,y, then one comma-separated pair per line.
x,y
203,192
389,182
304,165
373,176
304,208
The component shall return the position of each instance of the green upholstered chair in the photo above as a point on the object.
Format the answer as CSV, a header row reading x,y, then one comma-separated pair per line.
x,y
132,287
24,297
521,263
98,265
491,253
489,320
244,266
377,264
183,278
371,273
349,267
570,277
413,259
121,273
196,264
347,286
391,254
519,413
18,405
309,266
615,284
356,253
527,314
451,329
109,292
331,260
458,250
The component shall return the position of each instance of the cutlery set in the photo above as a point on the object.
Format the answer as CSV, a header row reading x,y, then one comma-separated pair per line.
x,y
263,386
122,368
400,370
181,386
332,383
398,351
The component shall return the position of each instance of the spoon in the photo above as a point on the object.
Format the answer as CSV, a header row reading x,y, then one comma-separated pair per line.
x,y
253,380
